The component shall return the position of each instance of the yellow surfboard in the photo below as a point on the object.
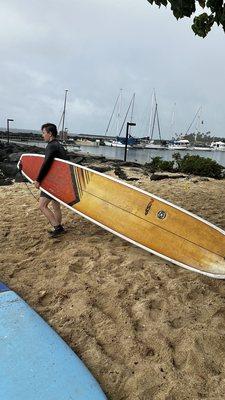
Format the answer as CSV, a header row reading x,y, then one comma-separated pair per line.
x,y
135,215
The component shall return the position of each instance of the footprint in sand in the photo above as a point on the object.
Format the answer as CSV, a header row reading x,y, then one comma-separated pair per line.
x,y
76,266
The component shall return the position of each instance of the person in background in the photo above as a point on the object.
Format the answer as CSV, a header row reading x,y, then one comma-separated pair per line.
x,y
53,149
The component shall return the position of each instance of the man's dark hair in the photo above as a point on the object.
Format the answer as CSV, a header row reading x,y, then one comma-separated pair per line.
x,y
50,128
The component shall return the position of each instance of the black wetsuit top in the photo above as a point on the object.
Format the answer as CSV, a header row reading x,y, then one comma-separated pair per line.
x,y
54,149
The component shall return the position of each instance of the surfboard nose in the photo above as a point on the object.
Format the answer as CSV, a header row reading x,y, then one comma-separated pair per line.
x,y
217,269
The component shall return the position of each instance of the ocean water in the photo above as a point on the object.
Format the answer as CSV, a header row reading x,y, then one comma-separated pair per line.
x,y
141,156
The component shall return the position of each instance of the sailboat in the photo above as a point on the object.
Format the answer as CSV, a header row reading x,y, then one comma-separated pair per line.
x,y
121,141
199,123
63,133
151,144
179,143
184,144
116,109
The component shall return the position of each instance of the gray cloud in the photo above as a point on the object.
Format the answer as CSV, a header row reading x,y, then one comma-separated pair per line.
x,y
94,48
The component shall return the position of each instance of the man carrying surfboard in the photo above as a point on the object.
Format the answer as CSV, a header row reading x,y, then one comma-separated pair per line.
x,y
53,149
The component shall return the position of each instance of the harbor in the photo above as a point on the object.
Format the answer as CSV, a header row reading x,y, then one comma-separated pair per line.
x,y
139,155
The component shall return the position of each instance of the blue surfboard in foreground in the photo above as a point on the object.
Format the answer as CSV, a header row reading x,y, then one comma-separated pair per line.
x,y
36,364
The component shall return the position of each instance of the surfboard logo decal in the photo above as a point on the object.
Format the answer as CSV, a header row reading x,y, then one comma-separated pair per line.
x,y
161,214
149,206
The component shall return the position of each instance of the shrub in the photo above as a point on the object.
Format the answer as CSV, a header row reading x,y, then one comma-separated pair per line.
x,y
189,164
154,165
166,166
201,166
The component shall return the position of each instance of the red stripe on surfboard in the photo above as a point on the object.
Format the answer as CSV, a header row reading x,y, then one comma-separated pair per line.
x,y
59,181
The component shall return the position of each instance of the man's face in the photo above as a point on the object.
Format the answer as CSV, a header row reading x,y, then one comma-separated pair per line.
x,y
46,136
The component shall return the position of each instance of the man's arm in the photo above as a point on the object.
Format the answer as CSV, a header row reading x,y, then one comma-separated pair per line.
x,y
49,158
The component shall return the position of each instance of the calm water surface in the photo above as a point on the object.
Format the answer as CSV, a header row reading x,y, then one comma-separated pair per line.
x,y
142,155
145,155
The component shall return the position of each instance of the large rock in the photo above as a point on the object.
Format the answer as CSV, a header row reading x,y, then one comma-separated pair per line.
x,y
9,157
100,168
4,181
8,169
76,160
14,157
122,175
172,175
3,155
128,163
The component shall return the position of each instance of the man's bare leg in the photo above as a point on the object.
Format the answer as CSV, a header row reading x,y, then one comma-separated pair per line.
x,y
43,206
57,211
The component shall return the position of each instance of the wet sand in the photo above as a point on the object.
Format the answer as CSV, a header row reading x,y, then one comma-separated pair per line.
x,y
145,328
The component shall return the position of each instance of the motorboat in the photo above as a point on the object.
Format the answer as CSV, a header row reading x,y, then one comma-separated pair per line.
x,y
115,143
219,146
182,144
155,146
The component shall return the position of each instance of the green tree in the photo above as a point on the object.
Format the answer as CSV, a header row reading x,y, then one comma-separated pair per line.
x,y
202,23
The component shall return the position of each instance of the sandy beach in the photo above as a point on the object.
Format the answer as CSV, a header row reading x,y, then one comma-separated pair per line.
x,y
146,329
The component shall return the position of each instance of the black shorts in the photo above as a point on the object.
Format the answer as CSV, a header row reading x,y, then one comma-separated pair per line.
x,y
43,194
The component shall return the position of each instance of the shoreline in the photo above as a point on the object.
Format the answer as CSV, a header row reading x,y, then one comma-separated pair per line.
x,y
10,154
142,156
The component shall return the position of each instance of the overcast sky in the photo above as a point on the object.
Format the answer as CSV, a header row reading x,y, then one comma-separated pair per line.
x,y
95,47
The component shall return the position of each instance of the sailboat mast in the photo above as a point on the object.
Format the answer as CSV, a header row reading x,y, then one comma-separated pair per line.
x,y
132,99
132,109
112,114
119,112
159,130
156,115
198,124
172,124
64,112
153,124
193,120
151,115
